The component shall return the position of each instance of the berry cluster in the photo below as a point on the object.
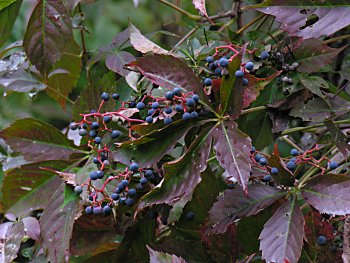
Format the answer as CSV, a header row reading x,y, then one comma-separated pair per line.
x,y
97,126
219,62
296,158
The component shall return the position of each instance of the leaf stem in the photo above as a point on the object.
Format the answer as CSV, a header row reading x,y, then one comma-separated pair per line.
x,y
252,22
299,129
180,10
254,109
331,40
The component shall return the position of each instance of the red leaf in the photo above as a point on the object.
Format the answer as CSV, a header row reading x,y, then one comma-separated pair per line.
x,y
156,257
255,85
116,62
200,6
282,236
232,151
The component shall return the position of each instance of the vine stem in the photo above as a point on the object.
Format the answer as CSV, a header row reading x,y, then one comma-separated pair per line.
x,y
298,129
180,10
331,40
254,109
250,23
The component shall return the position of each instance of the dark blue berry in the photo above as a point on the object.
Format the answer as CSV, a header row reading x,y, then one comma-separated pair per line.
x,y
93,134
252,150
119,190
212,66
140,105
98,140
100,174
131,192
216,63
82,132
194,115
122,200
294,152
88,210
151,111
148,173
149,119
93,175
217,71
78,189
168,110
105,96
264,55
190,102
178,108
274,170
115,96
115,134
195,97
257,157
139,187
155,105
190,215
83,126
321,240
91,197
186,116
115,196
291,165
169,95
97,210
177,91
107,210
107,119
208,82
223,62
209,59
333,165
267,178
134,167
93,111
245,81
95,160
73,126
94,125
263,161
239,74
168,120
132,104
125,183
143,180
249,65
129,201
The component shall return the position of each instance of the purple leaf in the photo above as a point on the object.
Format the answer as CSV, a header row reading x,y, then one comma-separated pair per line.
x,y
56,225
182,175
32,228
39,141
232,151
339,138
11,235
235,204
281,240
329,194
316,110
293,19
24,186
170,72
48,32
21,81
312,55
143,44
156,257
116,62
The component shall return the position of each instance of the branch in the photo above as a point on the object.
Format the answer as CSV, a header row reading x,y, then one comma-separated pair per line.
x,y
346,241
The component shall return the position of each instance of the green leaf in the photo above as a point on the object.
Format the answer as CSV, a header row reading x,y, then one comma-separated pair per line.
x,y
26,188
314,84
316,110
150,148
57,223
340,139
133,247
48,32
59,85
6,3
8,16
39,141
182,175
231,90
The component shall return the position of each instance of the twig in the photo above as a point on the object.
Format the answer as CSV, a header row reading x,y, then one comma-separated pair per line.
x,y
336,39
239,14
184,39
346,241
250,23
341,89
181,11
